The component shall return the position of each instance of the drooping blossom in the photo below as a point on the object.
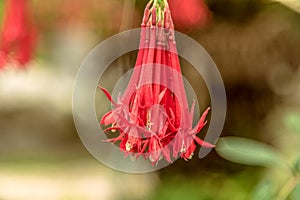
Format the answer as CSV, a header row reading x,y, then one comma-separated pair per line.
x,y
189,14
18,35
152,116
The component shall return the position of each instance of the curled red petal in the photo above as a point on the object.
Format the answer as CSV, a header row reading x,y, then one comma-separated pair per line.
x,y
166,154
107,95
189,152
111,129
203,143
107,119
201,122
113,140
123,123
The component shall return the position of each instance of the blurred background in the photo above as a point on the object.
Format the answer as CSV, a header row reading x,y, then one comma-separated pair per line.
x,y
254,43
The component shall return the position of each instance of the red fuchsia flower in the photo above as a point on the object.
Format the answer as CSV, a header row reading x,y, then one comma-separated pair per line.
x,y
190,13
152,116
18,35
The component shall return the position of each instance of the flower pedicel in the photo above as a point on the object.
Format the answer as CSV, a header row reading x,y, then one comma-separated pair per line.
x,y
152,117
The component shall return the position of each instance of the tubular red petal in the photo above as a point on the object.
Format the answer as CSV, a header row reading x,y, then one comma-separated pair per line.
x,y
161,95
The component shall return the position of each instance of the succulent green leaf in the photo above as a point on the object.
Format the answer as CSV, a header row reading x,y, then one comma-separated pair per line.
x,y
249,152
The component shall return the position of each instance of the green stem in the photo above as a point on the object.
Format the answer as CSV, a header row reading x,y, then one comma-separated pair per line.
x,y
288,188
159,5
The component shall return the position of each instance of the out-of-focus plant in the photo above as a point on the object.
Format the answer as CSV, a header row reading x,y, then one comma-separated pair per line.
x,y
18,34
194,14
252,152
293,4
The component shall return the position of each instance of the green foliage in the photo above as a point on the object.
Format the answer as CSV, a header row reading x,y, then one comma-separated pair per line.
x,y
292,121
1,11
296,193
205,187
250,152
263,191
297,166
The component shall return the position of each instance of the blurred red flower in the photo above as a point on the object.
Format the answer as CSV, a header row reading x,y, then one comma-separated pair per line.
x,y
189,14
18,35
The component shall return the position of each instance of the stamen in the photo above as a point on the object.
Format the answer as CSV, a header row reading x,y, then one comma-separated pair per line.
x,y
149,124
114,125
128,146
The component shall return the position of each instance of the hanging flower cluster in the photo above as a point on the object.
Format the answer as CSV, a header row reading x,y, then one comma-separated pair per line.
x,y
152,117
18,36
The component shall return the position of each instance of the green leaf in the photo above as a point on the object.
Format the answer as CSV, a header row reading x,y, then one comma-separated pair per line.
x,y
263,191
250,152
296,193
